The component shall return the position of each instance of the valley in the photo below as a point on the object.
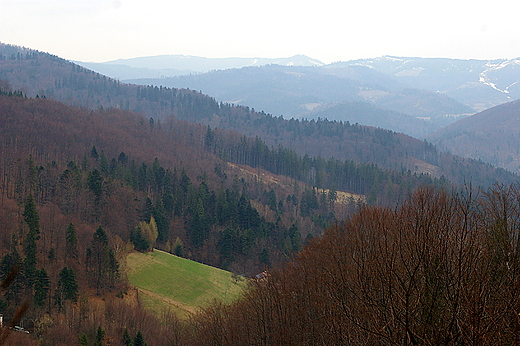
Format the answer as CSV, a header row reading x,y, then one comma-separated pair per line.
x,y
130,208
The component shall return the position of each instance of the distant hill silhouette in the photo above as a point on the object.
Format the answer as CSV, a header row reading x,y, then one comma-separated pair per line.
x,y
175,65
299,92
480,84
37,73
491,135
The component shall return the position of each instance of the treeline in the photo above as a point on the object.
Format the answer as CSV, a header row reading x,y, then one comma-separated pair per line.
x,y
7,90
362,145
218,227
381,186
62,80
202,208
444,268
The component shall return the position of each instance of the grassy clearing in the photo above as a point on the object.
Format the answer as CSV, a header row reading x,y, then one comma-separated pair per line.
x,y
171,282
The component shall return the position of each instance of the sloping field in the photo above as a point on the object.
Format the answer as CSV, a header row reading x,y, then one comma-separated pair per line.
x,y
165,281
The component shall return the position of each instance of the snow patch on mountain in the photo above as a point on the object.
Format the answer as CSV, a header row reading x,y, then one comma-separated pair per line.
x,y
493,67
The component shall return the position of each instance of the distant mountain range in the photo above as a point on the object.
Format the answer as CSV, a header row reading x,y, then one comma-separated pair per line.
x,y
480,84
369,97
177,65
415,96
42,74
312,92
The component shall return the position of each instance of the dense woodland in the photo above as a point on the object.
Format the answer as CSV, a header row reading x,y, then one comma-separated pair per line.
x,y
491,135
36,73
83,186
442,269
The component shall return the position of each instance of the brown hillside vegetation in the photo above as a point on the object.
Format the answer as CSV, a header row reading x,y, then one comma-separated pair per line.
x,y
52,137
81,187
442,269
38,73
74,186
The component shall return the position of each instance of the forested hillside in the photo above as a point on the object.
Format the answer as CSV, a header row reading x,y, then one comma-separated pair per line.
x,y
491,135
84,183
37,73
294,91
442,269
81,188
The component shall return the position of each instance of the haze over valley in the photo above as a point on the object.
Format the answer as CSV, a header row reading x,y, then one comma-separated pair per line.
x,y
259,173
326,195
412,95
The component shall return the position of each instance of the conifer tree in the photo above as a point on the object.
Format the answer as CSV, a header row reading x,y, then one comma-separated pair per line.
x,y
67,287
71,242
95,184
93,153
139,339
42,285
161,221
100,336
101,264
127,340
32,219
11,264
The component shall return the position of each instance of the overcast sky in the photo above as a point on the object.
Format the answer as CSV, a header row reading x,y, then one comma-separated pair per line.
x,y
328,30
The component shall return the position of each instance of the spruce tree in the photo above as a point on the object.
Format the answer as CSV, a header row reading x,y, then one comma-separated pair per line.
x,y
102,266
32,219
68,284
127,340
42,285
139,339
71,242
95,184
10,271
100,336
93,153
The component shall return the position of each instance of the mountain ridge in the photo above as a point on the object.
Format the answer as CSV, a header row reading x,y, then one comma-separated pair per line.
x,y
490,135
294,91
174,65
477,83
480,84
65,81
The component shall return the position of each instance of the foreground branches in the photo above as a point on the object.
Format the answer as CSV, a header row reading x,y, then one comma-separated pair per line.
x,y
442,269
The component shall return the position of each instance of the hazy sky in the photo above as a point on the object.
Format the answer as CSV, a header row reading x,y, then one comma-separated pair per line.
x,y
328,30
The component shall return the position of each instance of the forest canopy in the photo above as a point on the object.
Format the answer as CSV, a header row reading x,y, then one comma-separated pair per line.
x,y
444,268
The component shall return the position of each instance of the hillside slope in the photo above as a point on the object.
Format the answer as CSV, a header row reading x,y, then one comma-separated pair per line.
x,y
295,91
170,282
44,74
491,136
80,187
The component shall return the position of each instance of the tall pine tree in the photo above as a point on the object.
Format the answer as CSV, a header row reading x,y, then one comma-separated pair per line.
x,y
71,242
101,264
32,219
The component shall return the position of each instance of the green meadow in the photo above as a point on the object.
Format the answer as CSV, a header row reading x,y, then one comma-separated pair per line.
x,y
165,281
